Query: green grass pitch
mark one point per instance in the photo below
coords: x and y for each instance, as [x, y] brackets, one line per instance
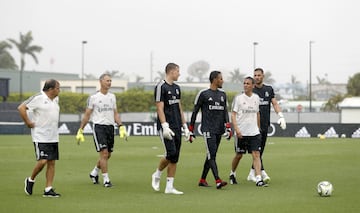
[294, 165]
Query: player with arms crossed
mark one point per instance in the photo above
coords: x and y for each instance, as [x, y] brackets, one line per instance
[245, 118]
[214, 120]
[170, 120]
[101, 109]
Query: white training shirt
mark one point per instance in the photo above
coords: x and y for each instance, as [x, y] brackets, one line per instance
[246, 109]
[103, 107]
[45, 113]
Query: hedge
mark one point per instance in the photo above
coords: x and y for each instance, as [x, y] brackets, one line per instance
[133, 100]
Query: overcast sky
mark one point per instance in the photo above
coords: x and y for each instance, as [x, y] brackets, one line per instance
[121, 34]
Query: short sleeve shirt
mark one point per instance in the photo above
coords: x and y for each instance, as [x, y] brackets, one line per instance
[246, 109]
[103, 106]
[45, 113]
[170, 94]
[266, 94]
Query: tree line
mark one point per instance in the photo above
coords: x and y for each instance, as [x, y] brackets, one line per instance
[198, 72]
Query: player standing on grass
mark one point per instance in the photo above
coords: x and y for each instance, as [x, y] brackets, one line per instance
[267, 97]
[101, 108]
[44, 131]
[214, 121]
[245, 117]
[170, 119]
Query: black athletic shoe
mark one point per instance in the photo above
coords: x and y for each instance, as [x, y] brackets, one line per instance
[261, 183]
[28, 186]
[220, 184]
[203, 183]
[232, 179]
[108, 184]
[94, 179]
[51, 193]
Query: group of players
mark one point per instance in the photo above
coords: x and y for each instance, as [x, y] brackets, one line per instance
[250, 118]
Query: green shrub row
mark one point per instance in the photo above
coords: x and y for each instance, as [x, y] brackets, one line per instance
[133, 100]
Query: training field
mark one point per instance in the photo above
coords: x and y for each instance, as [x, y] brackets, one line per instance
[294, 165]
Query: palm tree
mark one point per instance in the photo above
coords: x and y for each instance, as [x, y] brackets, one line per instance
[294, 86]
[25, 48]
[189, 79]
[236, 76]
[268, 78]
[138, 78]
[198, 69]
[116, 74]
[322, 81]
[160, 76]
[6, 60]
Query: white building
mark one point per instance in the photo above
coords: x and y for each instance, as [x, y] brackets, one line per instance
[90, 86]
[350, 110]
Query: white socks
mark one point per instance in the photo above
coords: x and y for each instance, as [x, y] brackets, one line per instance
[106, 177]
[169, 182]
[95, 171]
[158, 173]
[47, 189]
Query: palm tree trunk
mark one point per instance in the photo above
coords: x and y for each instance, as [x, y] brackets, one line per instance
[22, 65]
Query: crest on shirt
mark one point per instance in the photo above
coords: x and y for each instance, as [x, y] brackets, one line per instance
[266, 94]
[177, 91]
[222, 98]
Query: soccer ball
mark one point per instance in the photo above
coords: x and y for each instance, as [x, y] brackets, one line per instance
[325, 188]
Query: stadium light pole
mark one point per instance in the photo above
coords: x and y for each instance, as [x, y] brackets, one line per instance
[254, 50]
[82, 65]
[310, 95]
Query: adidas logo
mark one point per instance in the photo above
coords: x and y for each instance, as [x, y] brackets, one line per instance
[356, 134]
[302, 133]
[63, 129]
[331, 133]
[87, 129]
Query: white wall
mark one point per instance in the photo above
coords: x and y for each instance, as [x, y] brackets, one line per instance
[350, 115]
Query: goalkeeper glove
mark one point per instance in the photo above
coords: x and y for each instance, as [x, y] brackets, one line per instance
[228, 134]
[122, 132]
[167, 132]
[191, 135]
[80, 136]
[281, 121]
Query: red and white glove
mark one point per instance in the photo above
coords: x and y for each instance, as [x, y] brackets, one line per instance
[191, 134]
[228, 131]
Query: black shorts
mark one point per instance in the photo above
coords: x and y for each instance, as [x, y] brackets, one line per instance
[103, 137]
[47, 151]
[248, 144]
[172, 147]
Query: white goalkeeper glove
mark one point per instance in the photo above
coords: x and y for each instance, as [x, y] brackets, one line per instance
[281, 121]
[167, 132]
[186, 132]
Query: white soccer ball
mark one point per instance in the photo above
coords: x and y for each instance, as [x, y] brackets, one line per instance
[325, 188]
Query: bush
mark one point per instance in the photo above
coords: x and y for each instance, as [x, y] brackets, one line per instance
[133, 100]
